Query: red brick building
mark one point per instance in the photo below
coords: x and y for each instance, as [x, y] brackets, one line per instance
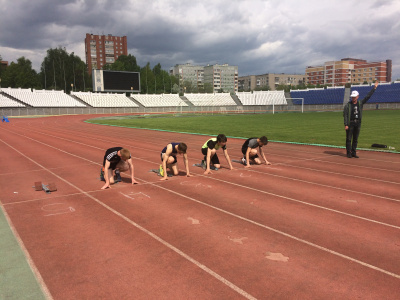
[349, 70]
[103, 49]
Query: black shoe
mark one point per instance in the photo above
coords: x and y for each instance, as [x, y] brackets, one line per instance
[355, 155]
[102, 175]
[117, 176]
[349, 155]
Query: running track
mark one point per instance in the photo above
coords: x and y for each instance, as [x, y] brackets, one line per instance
[313, 225]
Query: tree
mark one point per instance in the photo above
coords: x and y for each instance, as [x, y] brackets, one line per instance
[125, 63]
[1, 66]
[146, 80]
[20, 75]
[208, 88]
[262, 88]
[63, 71]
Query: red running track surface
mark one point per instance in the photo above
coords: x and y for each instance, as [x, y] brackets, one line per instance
[313, 225]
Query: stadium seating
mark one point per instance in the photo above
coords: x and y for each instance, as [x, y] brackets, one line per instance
[105, 100]
[163, 100]
[385, 93]
[262, 98]
[43, 98]
[215, 99]
[7, 102]
[319, 96]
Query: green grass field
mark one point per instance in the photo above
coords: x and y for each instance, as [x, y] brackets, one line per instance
[320, 128]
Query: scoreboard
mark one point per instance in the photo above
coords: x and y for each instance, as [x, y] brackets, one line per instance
[115, 81]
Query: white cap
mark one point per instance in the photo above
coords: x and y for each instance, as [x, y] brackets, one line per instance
[354, 94]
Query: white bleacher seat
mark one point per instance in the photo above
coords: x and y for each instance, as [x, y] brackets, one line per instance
[262, 98]
[215, 99]
[43, 98]
[156, 100]
[7, 102]
[105, 100]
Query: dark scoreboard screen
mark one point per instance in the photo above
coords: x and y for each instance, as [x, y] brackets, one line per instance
[121, 81]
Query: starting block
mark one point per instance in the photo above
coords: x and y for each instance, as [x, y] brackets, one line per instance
[157, 171]
[204, 167]
[5, 119]
[39, 186]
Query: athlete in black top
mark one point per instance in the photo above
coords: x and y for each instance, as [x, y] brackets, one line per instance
[116, 160]
[168, 158]
[209, 151]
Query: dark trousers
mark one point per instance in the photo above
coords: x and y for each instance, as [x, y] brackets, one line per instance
[352, 137]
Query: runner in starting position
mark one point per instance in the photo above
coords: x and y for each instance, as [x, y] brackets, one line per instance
[116, 160]
[249, 150]
[209, 151]
[168, 158]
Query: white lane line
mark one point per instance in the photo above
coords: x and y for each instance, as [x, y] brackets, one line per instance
[29, 259]
[165, 243]
[245, 187]
[288, 235]
[336, 173]
[325, 185]
[251, 221]
[269, 174]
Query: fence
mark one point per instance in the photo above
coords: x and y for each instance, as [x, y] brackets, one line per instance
[29, 111]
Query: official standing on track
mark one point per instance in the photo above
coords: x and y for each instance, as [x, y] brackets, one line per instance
[352, 114]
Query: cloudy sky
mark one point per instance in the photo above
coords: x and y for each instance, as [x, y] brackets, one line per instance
[271, 36]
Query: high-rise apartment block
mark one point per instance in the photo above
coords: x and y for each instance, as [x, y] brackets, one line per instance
[349, 70]
[103, 49]
[219, 77]
[270, 80]
[190, 73]
[222, 77]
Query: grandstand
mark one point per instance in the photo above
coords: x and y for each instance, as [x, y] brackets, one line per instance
[43, 98]
[214, 99]
[318, 96]
[262, 98]
[19, 102]
[7, 102]
[105, 100]
[163, 100]
[385, 93]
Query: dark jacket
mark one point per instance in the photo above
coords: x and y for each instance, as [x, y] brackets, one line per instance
[347, 107]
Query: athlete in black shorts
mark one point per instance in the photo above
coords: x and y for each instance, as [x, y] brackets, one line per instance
[168, 158]
[116, 160]
[249, 150]
[209, 151]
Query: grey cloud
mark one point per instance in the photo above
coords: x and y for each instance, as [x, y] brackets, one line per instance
[281, 35]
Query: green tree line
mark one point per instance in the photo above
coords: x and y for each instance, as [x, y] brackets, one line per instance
[60, 70]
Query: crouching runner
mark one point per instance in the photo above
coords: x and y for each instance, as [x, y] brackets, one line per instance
[116, 160]
[250, 153]
[169, 160]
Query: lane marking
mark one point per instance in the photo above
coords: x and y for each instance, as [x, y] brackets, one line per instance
[131, 194]
[29, 259]
[154, 236]
[269, 174]
[234, 215]
[254, 189]
[55, 209]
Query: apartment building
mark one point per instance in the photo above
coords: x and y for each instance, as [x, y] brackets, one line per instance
[220, 77]
[349, 70]
[272, 80]
[188, 72]
[103, 49]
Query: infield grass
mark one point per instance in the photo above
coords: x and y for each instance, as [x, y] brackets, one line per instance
[320, 128]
